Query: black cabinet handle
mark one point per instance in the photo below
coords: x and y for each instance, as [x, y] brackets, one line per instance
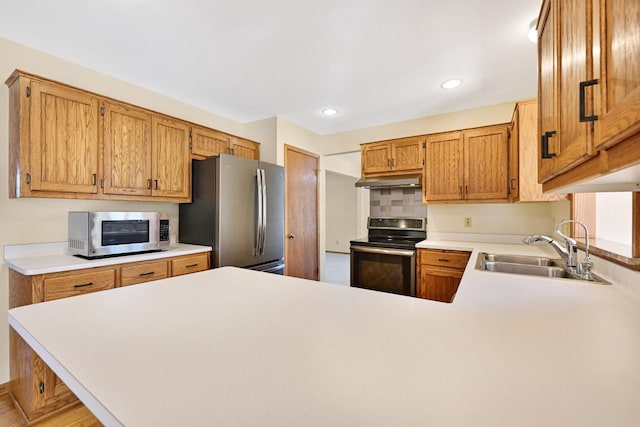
[41, 387]
[149, 184]
[156, 183]
[583, 86]
[443, 260]
[147, 274]
[545, 145]
[94, 179]
[84, 285]
[192, 265]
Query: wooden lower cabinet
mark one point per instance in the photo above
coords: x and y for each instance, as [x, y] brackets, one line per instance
[35, 387]
[439, 273]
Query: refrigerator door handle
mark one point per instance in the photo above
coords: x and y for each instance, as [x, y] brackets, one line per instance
[264, 210]
[259, 218]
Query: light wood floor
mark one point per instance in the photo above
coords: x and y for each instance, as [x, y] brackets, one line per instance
[78, 416]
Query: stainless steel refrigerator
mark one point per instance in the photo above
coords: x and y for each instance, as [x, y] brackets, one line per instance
[238, 209]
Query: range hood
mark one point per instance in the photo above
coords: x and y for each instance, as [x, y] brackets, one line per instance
[400, 181]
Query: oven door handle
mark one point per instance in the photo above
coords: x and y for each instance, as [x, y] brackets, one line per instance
[383, 251]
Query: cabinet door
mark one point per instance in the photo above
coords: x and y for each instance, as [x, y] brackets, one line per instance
[171, 165]
[244, 148]
[376, 158]
[486, 159]
[64, 139]
[127, 150]
[208, 142]
[573, 142]
[407, 154]
[619, 113]
[444, 167]
[547, 103]
[438, 284]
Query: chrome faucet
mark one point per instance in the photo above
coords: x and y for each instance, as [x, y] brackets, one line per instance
[568, 252]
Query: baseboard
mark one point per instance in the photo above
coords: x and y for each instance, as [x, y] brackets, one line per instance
[4, 389]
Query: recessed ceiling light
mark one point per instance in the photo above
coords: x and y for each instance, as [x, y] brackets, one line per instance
[451, 83]
[533, 33]
[329, 111]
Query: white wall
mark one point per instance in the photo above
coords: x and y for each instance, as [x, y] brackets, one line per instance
[341, 211]
[613, 217]
[517, 219]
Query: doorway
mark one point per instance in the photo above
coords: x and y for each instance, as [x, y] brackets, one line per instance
[301, 213]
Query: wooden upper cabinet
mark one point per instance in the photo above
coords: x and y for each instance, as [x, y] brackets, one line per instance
[207, 142]
[376, 158]
[444, 167]
[171, 165]
[470, 165]
[564, 62]
[63, 139]
[589, 90]
[394, 157]
[619, 63]
[486, 159]
[245, 148]
[127, 150]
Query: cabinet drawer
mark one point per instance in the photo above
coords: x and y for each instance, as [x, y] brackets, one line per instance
[78, 284]
[442, 258]
[189, 264]
[144, 272]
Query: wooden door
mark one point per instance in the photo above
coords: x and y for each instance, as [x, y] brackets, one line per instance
[619, 103]
[376, 158]
[64, 139]
[547, 103]
[407, 154]
[171, 165]
[486, 159]
[301, 217]
[208, 142]
[127, 150]
[444, 167]
[573, 142]
[244, 148]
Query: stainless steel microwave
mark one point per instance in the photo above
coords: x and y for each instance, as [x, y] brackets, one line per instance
[100, 234]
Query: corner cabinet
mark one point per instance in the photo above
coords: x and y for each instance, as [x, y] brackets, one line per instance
[523, 151]
[467, 166]
[439, 273]
[34, 386]
[588, 89]
[65, 142]
[394, 157]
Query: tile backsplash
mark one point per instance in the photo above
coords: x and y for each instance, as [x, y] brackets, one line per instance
[397, 202]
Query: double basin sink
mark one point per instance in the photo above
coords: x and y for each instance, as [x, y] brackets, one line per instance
[532, 266]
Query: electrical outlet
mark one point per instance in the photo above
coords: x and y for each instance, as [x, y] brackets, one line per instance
[467, 221]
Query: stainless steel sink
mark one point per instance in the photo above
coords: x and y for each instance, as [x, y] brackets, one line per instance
[521, 259]
[531, 266]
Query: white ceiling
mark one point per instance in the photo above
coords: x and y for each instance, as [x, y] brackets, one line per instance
[375, 61]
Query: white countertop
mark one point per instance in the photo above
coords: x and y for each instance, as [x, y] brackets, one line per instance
[51, 257]
[236, 347]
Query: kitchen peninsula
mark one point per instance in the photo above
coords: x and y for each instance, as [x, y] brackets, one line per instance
[237, 347]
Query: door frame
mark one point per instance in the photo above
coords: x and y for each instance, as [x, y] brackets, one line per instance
[288, 148]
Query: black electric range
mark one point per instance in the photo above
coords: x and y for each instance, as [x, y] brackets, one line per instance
[385, 260]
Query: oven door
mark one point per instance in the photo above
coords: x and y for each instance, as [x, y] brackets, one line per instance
[382, 269]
